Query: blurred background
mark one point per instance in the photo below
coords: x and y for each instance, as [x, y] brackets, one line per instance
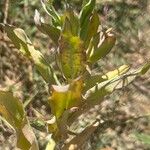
[130, 20]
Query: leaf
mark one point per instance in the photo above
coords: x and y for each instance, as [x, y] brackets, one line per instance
[117, 72]
[47, 29]
[58, 99]
[84, 29]
[22, 42]
[86, 11]
[93, 43]
[91, 29]
[12, 111]
[50, 10]
[145, 138]
[93, 26]
[102, 89]
[65, 97]
[73, 21]
[84, 16]
[90, 81]
[96, 40]
[71, 56]
[67, 29]
[145, 68]
[103, 49]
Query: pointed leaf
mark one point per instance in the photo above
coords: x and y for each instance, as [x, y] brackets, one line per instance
[47, 29]
[91, 30]
[145, 68]
[93, 26]
[22, 42]
[12, 111]
[74, 21]
[90, 81]
[86, 11]
[67, 29]
[103, 49]
[102, 89]
[84, 16]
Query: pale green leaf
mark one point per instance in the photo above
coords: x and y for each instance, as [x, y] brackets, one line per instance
[12, 111]
[90, 81]
[22, 42]
[100, 90]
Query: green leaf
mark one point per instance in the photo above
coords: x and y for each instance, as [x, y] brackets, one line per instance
[67, 29]
[92, 27]
[93, 43]
[47, 29]
[84, 16]
[90, 81]
[104, 48]
[86, 11]
[96, 40]
[84, 29]
[145, 68]
[100, 90]
[12, 111]
[22, 42]
[65, 97]
[50, 10]
[145, 138]
[71, 56]
[73, 21]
